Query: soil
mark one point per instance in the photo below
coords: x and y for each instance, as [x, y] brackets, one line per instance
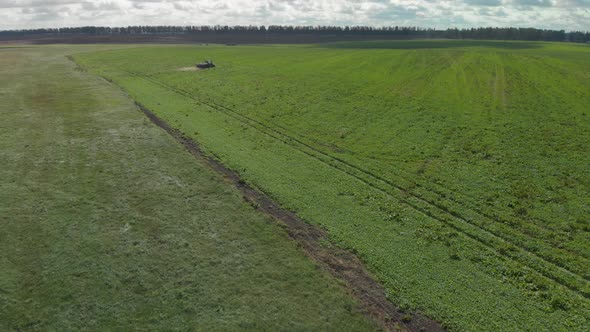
[194, 68]
[341, 263]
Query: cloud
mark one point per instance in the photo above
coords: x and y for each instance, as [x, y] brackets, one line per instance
[34, 3]
[100, 6]
[486, 3]
[396, 12]
[555, 14]
[574, 3]
[533, 3]
[492, 12]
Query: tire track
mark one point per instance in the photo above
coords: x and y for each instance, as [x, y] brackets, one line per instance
[522, 239]
[494, 223]
[475, 212]
[560, 275]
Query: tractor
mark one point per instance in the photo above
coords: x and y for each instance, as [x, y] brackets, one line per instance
[206, 64]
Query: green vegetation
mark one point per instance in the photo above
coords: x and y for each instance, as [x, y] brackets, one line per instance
[107, 223]
[458, 173]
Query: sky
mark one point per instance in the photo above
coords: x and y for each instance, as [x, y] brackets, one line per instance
[549, 14]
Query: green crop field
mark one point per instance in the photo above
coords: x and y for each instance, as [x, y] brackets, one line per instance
[108, 224]
[459, 171]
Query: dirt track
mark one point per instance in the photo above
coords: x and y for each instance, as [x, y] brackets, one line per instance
[340, 263]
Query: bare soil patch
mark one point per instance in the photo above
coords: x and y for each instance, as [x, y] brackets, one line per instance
[341, 263]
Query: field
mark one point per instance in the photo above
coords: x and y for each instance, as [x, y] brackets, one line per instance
[456, 170]
[108, 224]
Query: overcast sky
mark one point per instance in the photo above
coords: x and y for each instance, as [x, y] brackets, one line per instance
[554, 14]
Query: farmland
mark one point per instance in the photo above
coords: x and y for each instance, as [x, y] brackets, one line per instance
[456, 170]
[107, 223]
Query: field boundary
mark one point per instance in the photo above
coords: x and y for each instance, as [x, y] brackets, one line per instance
[340, 263]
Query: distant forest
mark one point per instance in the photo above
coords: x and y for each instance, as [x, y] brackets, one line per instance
[282, 33]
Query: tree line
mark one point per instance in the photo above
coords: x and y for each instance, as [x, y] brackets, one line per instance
[405, 32]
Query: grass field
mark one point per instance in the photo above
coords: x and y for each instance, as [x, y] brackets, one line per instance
[108, 224]
[457, 170]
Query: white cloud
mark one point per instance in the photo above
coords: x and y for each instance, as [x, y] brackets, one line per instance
[554, 14]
